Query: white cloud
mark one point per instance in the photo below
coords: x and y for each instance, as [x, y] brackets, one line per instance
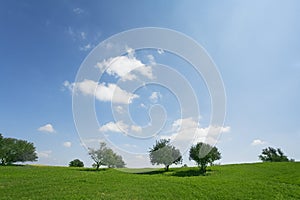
[68, 85]
[119, 127]
[188, 131]
[103, 92]
[136, 128]
[126, 67]
[67, 144]
[257, 142]
[44, 154]
[114, 127]
[47, 128]
[151, 59]
[155, 96]
[78, 11]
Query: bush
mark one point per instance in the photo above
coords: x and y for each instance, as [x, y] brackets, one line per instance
[76, 163]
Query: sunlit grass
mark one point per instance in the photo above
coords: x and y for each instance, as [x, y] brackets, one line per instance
[243, 181]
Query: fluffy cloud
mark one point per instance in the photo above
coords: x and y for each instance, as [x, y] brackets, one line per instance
[188, 131]
[47, 128]
[119, 127]
[67, 144]
[126, 67]
[102, 92]
[257, 142]
[114, 127]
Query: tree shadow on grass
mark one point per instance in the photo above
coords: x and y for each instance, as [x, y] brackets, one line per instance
[188, 173]
[92, 169]
[14, 165]
[154, 172]
[178, 172]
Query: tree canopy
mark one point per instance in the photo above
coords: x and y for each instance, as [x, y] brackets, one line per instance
[105, 156]
[203, 154]
[13, 150]
[164, 153]
[273, 155]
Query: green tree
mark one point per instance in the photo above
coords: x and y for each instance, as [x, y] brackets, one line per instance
[105, 156]
[76, 163]
[203, 154]
[13, 150]
[273, 155]
[164, 153]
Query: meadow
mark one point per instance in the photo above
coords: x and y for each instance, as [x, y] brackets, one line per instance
[238, 181]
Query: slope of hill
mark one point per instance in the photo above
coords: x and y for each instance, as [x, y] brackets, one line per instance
[241, 181]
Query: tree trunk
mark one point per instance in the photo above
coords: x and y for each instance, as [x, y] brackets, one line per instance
[203, 169]
[97, 167]
[167, 167]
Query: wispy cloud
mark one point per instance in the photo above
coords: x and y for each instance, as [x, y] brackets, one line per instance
[83, 38]
[78, 11]
[44, 154]
[85, 47]
[67, 144]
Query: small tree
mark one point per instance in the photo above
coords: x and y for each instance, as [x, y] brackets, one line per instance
[203, 154]
[164, 153]
[272, 155]
[13, 150]
[76, 163]
[106, 157]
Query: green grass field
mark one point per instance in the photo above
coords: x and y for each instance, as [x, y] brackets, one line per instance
[241, 181]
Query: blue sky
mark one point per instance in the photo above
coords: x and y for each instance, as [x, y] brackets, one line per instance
[255, 45]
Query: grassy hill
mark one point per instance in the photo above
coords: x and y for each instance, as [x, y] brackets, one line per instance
[241, 181]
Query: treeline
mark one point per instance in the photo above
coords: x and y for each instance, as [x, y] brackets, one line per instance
[163, 152]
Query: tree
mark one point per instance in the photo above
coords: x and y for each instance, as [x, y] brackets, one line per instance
[273, 155]
[13, 150]
[203, 154]
[164, 153]
[106, 157]
[76, 163]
